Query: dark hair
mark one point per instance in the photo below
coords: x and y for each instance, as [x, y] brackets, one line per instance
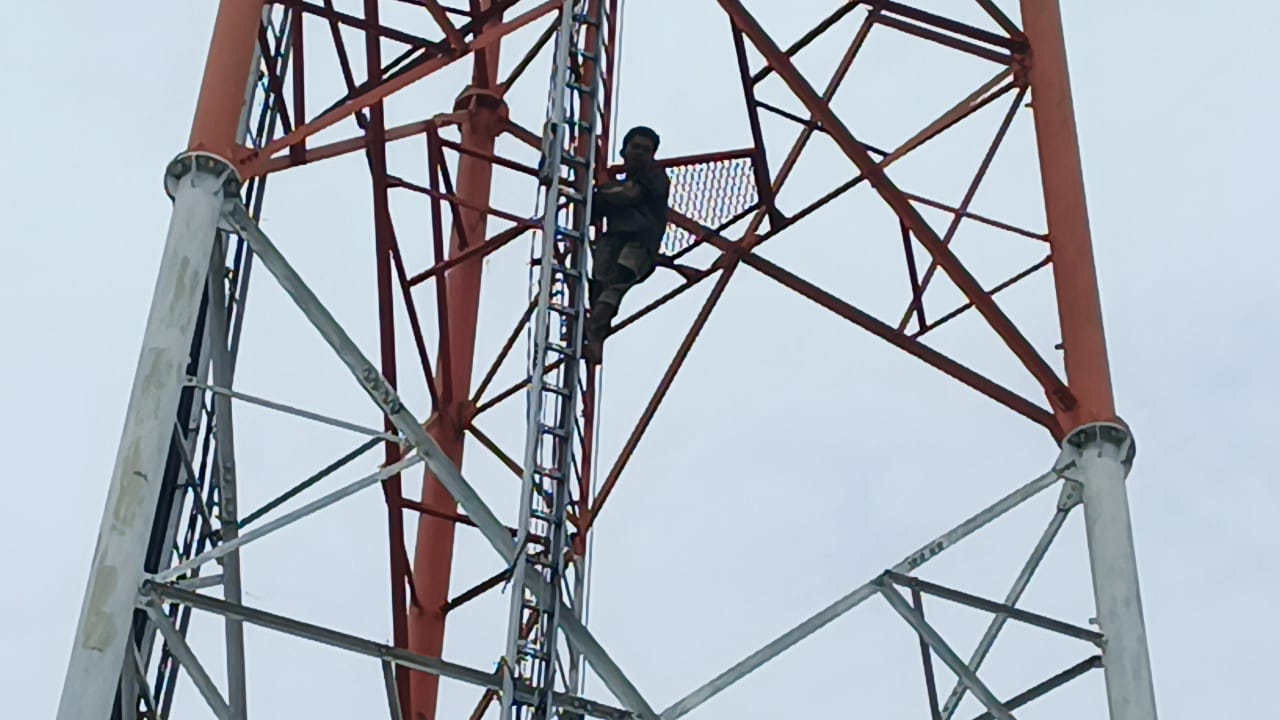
[642, 131]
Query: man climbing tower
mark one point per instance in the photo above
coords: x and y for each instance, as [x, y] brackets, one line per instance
[635, 215]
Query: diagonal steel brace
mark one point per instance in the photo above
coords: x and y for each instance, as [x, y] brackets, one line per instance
[414, 432]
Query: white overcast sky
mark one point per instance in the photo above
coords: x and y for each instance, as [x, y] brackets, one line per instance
[796, 458]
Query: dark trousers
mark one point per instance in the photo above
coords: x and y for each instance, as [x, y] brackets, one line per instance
[619, 262]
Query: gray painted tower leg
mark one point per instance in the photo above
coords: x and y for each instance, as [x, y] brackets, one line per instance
[1103, 453]
[198, 183]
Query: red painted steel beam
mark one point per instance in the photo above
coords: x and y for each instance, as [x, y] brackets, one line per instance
[452, 517]
[502, 354]
[495, 159]
[996, 392]
[460, 201]
[298, 153]
[660, 393]
[969, 194]
[449, 10]
[1014, 280]
[442, 177]
[494, 243]
[607, 85]
[802, 140]
[275, 76]
[1074, 274]
[481, 588]
[491, 446]
[925, 33]
[917, 291]
[952, 26]
[698, 159]
[341, 146]
[369, 27]
[433, 558]
[509, 392]
[810, 36]
[385, 246]
[415, 325]
[1001, 18]
[760, 166]
[976, 100]
[664, 299]
[451, 33]
[1059, 396]
[528, 58]
[252, 163]
[221, 101]
[344, 60]
[978, 218]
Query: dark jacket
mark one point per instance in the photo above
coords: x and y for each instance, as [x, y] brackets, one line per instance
[643, 217]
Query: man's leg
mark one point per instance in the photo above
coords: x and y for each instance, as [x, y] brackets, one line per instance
[631, 262]
[604, 272]
[608, 297]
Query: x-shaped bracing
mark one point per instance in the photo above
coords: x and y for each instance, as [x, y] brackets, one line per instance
[499, 538]
[436, 460]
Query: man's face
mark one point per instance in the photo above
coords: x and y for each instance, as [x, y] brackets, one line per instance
[638, 152]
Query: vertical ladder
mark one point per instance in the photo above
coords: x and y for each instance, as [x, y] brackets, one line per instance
[541, 587]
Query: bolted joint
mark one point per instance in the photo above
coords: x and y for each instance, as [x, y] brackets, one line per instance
[1072, 494]
[1102, 439]
[1022, 62]
[206, 173]
[466, 411]
[486, 111]
[191, 164]
[731, 253]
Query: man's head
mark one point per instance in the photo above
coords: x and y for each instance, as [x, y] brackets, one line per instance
[638, 147]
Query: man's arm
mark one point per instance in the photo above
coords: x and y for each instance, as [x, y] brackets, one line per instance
[627, 193]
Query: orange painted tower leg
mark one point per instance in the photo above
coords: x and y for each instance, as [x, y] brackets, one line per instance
[433, 559]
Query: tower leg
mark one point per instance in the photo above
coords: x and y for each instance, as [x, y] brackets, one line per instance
[199, 184]
[1066, 213]
[1103, 453]
[433, 555]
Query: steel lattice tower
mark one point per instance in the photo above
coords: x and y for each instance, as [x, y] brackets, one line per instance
[173, 538]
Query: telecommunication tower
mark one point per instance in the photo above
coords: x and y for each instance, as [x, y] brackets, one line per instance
[174, 538]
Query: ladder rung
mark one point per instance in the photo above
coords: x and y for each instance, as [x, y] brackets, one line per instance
[566, 271]
[557, 390]
[556, 267]
[532, 652]
[571, 194]
[558, 432]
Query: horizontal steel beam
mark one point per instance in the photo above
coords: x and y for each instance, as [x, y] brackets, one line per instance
[1049, 685]
[299, 412]
[370, 648]
[991, 606]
